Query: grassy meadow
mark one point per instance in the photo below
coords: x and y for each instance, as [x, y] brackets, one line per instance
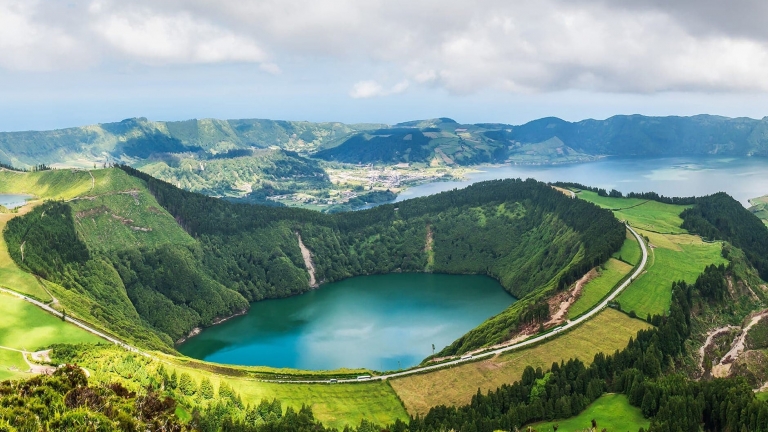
[599, 287]
[674, 255]
[672, 258]
[608, 331]
[26, 327]
[630, 251]
[336, 405]
[12, 365]
[611, 412]
[647, 215]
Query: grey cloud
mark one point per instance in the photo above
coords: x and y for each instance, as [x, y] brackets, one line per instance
[464, 47]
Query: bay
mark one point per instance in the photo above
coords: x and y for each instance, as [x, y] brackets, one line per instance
[742, 178]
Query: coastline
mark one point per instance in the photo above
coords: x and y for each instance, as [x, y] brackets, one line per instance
[199, 329]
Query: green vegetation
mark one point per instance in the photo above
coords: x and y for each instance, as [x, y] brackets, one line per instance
[610, 411]
[678, 257]
[26, 327]
[674, 255]
[597, 288]
[12, 365]
[111, 255]
[645, 214]
[252, 177]
[11, 276]
[643, 372]
[336, 405]
[757, 338]
[721, 217]
[607, 332]
[760, 208]
[630, 251]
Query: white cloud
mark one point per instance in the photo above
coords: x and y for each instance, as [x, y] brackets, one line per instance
[463, 47]
[370, 89]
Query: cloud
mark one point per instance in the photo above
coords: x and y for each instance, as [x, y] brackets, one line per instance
[370, 89]
[463, 47]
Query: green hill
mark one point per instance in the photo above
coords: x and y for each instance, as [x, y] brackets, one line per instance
[150, 255]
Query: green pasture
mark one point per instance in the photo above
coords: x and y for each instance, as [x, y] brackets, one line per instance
[611, 412]
[54, 184]
[607, 332]
[682, 257]
[609, 202]
[26, 327]
[12, 365]
[647, 215]
[630, 251]
[599, 287]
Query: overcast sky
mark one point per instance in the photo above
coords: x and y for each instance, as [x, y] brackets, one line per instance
[71, 62]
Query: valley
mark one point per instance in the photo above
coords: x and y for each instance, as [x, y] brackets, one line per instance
[114, 211]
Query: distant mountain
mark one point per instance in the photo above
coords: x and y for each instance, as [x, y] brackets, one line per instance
[653, 136]
[440, 141]
[136, 139]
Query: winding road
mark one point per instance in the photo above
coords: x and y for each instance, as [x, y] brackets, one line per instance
[80, 324]
[534, 340]
[528, 342]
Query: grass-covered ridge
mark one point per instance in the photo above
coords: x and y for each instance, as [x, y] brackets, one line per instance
[151, 256]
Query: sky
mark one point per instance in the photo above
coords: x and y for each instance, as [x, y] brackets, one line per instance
[70, 62]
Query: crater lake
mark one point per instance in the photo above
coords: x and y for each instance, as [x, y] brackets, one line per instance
[379, 322]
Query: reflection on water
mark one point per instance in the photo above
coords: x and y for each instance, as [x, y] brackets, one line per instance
[743, 178]
[380, 322]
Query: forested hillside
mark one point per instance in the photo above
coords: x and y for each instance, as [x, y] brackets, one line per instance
[138, 139]
[436, 141]
[720, 217]
[119, 248]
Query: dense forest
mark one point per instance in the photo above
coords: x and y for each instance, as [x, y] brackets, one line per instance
[720, 217]
[530, 237]
[646, 371]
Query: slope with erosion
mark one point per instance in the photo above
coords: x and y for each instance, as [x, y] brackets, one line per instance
[537, 228]
[675, 254]
[126, 254]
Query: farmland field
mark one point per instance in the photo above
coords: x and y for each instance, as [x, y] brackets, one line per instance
[28, 328]
[597, 288]
[608, 331]
[672, 258]
[630, 251]
[610, 411]
[12, 365]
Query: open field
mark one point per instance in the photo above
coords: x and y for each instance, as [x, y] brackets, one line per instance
[608, 331]
[611, 411]
[28, 328]
[630, 251]
[760, 208]
[675, 257]
[599, 287]
[56, 184]
[646, 215]
[12, 365]
[336, 405]
[608, 202]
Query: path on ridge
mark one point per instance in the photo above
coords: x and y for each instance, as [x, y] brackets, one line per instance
[534, 340]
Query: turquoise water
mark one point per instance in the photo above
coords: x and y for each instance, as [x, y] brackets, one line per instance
[381, 322]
